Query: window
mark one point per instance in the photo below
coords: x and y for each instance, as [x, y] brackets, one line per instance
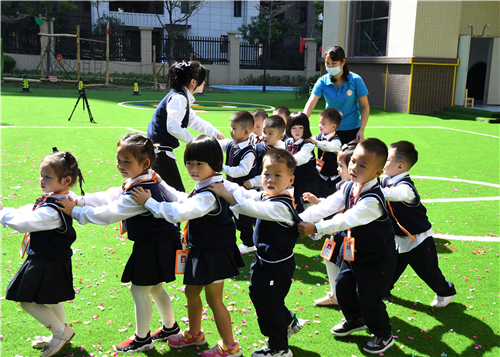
[184, 7]
[372, 18]
[237, 8]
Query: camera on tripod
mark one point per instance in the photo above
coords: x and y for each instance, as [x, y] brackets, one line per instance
[85, 102]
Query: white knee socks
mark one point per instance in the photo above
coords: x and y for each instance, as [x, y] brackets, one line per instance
[58, 310]
[332, 270]
[143, 309]
[45, 315]
[163, 304]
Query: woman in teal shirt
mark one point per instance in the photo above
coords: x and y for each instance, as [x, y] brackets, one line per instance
[345, 91]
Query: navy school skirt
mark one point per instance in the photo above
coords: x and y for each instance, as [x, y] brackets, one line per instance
[43, 281]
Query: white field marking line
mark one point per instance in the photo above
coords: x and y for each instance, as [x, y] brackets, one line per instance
[430, 127]
[122, 104]
[463, 199]
[456, 180]
[466, 238]
[65, 127]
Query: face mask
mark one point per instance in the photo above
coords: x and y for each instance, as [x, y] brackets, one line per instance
[333, 71]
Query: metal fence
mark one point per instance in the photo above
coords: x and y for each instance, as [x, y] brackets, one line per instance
[207, 50]
[20, 42]
[253, 56]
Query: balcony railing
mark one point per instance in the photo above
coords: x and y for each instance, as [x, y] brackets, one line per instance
[137, 19]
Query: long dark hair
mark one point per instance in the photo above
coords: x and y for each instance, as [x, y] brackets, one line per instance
[181, 73]
[337, 53]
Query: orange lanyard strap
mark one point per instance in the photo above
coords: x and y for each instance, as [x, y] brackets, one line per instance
[353, 203]
[153, 178]
[333, 136]
[399, 224]
[185, 232]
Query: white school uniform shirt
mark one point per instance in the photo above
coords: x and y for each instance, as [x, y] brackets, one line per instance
[328, 146]
[305, 153]
[249, 203]
[245, 164]
[361, 213]
[24, 219]
[185, 208]
[176, 109]
[404, 193]
[110, 206]
[257, 180]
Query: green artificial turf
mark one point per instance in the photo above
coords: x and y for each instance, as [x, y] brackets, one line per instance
[103, 307]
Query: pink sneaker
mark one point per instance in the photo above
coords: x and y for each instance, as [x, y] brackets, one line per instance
[187, 339]
[223, 350]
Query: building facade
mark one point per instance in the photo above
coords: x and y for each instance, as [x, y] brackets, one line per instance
[420, 56]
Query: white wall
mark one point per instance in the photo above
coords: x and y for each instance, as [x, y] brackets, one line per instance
[401, 31]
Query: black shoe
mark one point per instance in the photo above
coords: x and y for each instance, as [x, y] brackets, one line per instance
[379, 344]
[164, 333]
[346, 327]
[135, 344]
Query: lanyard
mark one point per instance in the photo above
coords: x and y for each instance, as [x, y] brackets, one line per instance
[333, 136]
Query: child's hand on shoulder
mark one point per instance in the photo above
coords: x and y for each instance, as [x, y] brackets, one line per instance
[140, 195]
[217, 188]
[247, 184]
[220, 136]
[309, 197]
[306, 228]
[311, 140]
[158, 178]
[1, 206]
[68, 204]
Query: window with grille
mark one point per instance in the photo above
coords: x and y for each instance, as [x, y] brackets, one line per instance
[372, 18]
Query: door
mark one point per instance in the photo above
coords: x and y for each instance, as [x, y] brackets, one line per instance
[462, 69]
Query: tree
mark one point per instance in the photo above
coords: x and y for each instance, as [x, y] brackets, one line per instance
[116, 25]
[178, 14]
[279, 31]
[318, 24]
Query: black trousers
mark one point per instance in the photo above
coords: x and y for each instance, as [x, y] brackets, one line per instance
[269, 285]
[423, 259]
[360, 289]
[167, 168]
[347, 136]
[245, 225]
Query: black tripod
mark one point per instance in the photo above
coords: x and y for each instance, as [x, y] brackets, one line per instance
[85, 103]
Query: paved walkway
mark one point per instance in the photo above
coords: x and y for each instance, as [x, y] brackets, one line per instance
[252, 88]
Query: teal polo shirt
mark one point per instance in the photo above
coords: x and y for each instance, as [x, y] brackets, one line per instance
[345, 98]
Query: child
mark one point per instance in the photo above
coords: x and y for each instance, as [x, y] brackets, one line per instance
[369, 250]
[275, 237]
[174, 116]
[239, 167]
[211, 235]
[45, 278]
[306, 175]
[283, 112]
[334, 262]
[328, 144]
[259, 115]
[413, 230]
[152, 261]
[273, 127]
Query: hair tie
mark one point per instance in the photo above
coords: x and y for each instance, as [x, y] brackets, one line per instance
[345, 147]
[54, 149]
[182, 65]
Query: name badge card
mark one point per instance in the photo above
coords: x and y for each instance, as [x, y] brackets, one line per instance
[349, 247]
[319, 164]
[327, 251]
[181, 257]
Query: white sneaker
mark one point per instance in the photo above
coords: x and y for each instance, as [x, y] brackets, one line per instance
[442, 301]
[295, 326]
[267, 352]
[315, 236]
[246, 249]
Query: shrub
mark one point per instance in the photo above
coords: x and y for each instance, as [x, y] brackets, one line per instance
[9, 64]
[285, 81]
[303, 91]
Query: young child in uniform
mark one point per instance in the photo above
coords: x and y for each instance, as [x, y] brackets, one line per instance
[275, 237]
[45, 278]
[328, 144]
[271, 138]
[306, 174]
[211, 235]
[259, 115]
[240, 167]
[369, 252]
[413, 230]
[174, 116]
[152, 261]
[283, 112]
[335, 260]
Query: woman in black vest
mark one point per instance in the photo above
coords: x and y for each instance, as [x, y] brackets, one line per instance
[174, 116]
